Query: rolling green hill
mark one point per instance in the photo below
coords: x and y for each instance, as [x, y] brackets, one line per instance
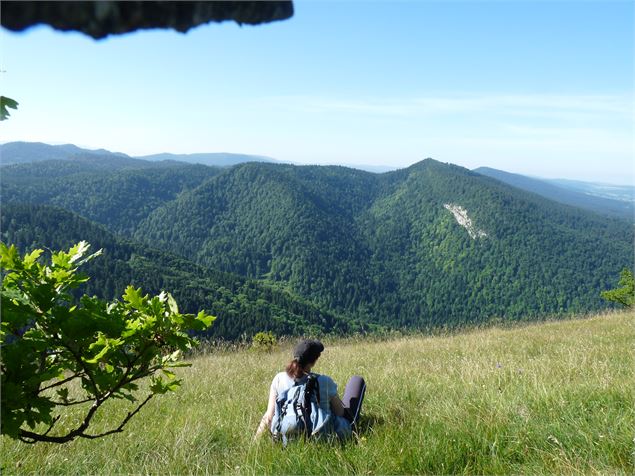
[430, 245]
[243, 306]
[388, 248]
[113, 194]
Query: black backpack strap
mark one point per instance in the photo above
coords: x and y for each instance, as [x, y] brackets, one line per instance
[295, 403]
[317, 389]
[283, 412]
[312, 388]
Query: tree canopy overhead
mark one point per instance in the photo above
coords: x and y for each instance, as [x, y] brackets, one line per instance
[100, 19]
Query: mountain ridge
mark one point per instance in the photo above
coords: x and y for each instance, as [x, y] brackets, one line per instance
[217, 159]
[390, 249]
[400, 221]
[20, 152]
[553, 190]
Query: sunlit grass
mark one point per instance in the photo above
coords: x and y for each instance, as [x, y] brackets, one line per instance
[539, 399]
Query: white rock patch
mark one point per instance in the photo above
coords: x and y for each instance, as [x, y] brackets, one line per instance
[462, 219]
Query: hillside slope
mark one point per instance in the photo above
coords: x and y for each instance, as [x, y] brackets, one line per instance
[433, 244]
[557, 191]
[243, 307]
[113, 194]
[553, 398]
[282, 223]
[390, 248]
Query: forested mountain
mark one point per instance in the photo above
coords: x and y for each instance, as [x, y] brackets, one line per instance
[29, 152]
[561, 192]
[242, 306]
[389, 248]
[118, 197]
[432, 244]
[215, 159]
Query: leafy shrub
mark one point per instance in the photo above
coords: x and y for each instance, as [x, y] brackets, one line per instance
[264, 341]
[49, 342]
[625, 294]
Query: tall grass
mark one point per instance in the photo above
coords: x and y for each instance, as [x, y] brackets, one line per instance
[545, 398]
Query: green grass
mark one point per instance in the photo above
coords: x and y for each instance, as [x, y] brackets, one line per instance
[539, 399]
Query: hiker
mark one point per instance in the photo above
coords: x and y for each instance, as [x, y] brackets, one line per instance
[341, 414]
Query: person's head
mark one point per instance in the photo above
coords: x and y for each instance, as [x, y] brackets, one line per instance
[305, 354]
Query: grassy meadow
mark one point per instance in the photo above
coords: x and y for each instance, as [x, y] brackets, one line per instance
[546, 398]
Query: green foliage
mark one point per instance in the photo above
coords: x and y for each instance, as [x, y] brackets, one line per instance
[51, 342]
[242, 306]
[116, 192]
[318, 248]
[625, 294]
[264, 341]
[383, 249]
[5, 103]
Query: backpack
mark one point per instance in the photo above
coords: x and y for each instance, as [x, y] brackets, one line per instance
[298, 412]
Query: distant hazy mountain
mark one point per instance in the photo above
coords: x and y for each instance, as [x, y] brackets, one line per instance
[376, 169]
[624, 193]
[25, 152]
[217, 159]
[577, 194]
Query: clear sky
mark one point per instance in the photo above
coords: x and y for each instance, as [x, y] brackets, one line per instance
[542, 88]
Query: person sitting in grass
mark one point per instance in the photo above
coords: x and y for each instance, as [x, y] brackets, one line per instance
[342, 414]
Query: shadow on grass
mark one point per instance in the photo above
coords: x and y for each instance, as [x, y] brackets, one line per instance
[368, 423]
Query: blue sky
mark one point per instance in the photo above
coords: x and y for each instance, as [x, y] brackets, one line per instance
[541, 88]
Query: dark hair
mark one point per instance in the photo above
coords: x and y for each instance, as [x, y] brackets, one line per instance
[294, 369]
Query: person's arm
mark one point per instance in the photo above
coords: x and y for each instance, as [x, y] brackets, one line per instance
[265, 422]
